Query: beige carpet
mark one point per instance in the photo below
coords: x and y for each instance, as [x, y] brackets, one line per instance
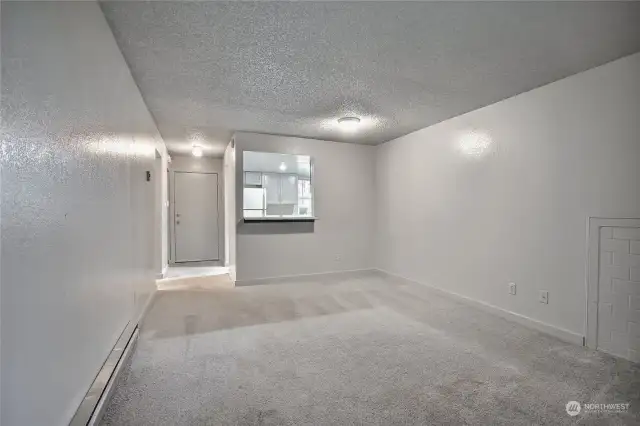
[361, 351]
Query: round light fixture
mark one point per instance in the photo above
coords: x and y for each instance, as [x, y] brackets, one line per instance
[349, 124]
[283, 167]
[197, 151]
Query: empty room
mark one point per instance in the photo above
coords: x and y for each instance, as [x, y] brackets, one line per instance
[319, 213]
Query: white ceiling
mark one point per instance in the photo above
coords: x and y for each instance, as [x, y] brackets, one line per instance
[207, 69]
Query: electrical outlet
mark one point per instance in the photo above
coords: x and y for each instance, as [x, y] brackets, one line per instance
[544, 297]
[512, 288]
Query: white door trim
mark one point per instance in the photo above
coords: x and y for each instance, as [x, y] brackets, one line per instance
[593, 270]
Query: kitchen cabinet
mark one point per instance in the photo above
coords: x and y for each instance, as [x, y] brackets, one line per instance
[280, 188]
[253, 178]
[271, 184]
[288, 189]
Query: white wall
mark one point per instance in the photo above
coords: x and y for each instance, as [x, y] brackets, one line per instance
[77, 255]
[229, 164]
[469, 222]
[189, 163]
[342, 237]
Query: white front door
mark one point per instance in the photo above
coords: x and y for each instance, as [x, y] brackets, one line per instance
[196, 216]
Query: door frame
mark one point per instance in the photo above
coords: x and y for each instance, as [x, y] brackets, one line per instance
[173, 219]
[159, 207]
[593, 270]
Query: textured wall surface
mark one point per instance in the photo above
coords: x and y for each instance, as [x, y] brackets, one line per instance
[342, 237]
[184, 163]
[503, 193]
[77, 260]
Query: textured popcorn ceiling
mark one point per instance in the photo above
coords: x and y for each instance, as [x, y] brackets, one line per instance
[206, 69]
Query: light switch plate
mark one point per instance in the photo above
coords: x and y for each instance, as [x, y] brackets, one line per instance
[544, 297]
[512, 288]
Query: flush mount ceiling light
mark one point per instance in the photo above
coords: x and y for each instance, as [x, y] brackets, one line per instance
[349, 124]
[197, 151]
[283, 167]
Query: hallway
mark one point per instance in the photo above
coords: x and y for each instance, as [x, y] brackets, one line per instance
[360, 349]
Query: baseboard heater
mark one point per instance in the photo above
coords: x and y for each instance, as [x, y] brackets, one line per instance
[95, 402]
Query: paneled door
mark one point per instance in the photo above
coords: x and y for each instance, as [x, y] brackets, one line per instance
[196, 216]
[613, 287]
[619, 292]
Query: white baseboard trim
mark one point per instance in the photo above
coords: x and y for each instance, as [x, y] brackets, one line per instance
[162, 274]
[332, 275]
[560, 333]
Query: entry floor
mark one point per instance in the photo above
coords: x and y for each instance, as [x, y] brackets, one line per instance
[195, 278]
[174, 272]
[363, 350]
